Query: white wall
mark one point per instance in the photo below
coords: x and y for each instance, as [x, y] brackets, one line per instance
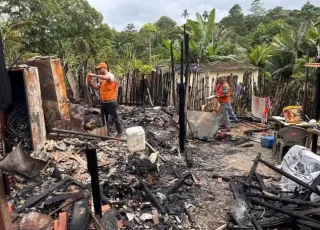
[240, 73]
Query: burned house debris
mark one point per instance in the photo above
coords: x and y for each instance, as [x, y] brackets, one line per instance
[60, 169]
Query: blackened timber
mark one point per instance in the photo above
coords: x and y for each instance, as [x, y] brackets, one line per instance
[81, 215]
[187, 84]
[314, 184]
[306, 87]
[173, 75]
[178, 184]
[284, 200]
[127, 87]
[87, 135]
[289, 213]
[315, 137]
[253, 169]
[5, 87]
[143, 86]
[263, 186]
[104, 199]
[182, 118]
[290, 177]
[152, 198]
[42, 196]
[91, 155]
[255, 223]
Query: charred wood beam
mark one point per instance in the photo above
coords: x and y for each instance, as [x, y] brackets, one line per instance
[225, 178]
[178, 184]
[88, 135]
[152, 198]
[42, 196]
[95, 185]
[250, 185]
[283, 173]
[242, 141]
[314, 185]
[285, 200]
[253, 169]
[255, 223]
[5, 86]
[315, 137]
[182, 118]
[263, 186]
[289, 213]
[173, 75]
[81, 216]
[104, 199]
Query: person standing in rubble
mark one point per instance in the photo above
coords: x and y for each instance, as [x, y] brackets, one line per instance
[223, 96]
[108, 95]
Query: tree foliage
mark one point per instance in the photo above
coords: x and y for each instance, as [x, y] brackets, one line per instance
[275, 40]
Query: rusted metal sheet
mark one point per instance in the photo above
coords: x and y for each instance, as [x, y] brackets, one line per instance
[53, 89]
[5, 222]
[61, 89]
[3, 121]
[35, 110]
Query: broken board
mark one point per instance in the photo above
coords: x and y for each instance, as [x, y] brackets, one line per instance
[203, 125]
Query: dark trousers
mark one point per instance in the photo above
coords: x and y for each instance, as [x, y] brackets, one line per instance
[107, 109]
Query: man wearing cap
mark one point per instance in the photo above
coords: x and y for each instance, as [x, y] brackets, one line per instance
[108, 95]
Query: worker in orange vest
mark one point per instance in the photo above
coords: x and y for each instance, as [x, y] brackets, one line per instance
[223, 96]
[108, 95]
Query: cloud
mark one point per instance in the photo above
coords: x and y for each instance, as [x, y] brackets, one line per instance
[118, 13]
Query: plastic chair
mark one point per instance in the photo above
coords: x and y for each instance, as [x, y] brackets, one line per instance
[288, 137]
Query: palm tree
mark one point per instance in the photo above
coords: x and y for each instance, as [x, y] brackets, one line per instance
[185, 14]
[205, 15]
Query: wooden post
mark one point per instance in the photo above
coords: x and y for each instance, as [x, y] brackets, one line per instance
[187, 74]
[142, 90]
[161, 80]
[315, 137]
[127, 86]
[5, 221]
[182, 119]
[174, 96]
[305, 88]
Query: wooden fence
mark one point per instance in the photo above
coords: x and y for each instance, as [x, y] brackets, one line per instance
[158, 89]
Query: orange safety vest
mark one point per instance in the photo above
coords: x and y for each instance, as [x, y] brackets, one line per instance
[220, 93]
[108, 90]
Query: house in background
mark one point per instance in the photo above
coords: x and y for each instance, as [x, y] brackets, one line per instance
[230, 69]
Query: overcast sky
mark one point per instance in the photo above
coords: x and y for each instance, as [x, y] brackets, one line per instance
[118, 13]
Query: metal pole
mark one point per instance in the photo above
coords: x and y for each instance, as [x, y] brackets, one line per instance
[95, 185]
[315, 137]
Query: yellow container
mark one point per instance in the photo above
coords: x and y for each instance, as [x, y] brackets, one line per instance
[292, 114]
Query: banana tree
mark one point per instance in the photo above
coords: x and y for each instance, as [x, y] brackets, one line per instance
[313, 34]
[259, 57]
[201, 35]
[176, 48]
